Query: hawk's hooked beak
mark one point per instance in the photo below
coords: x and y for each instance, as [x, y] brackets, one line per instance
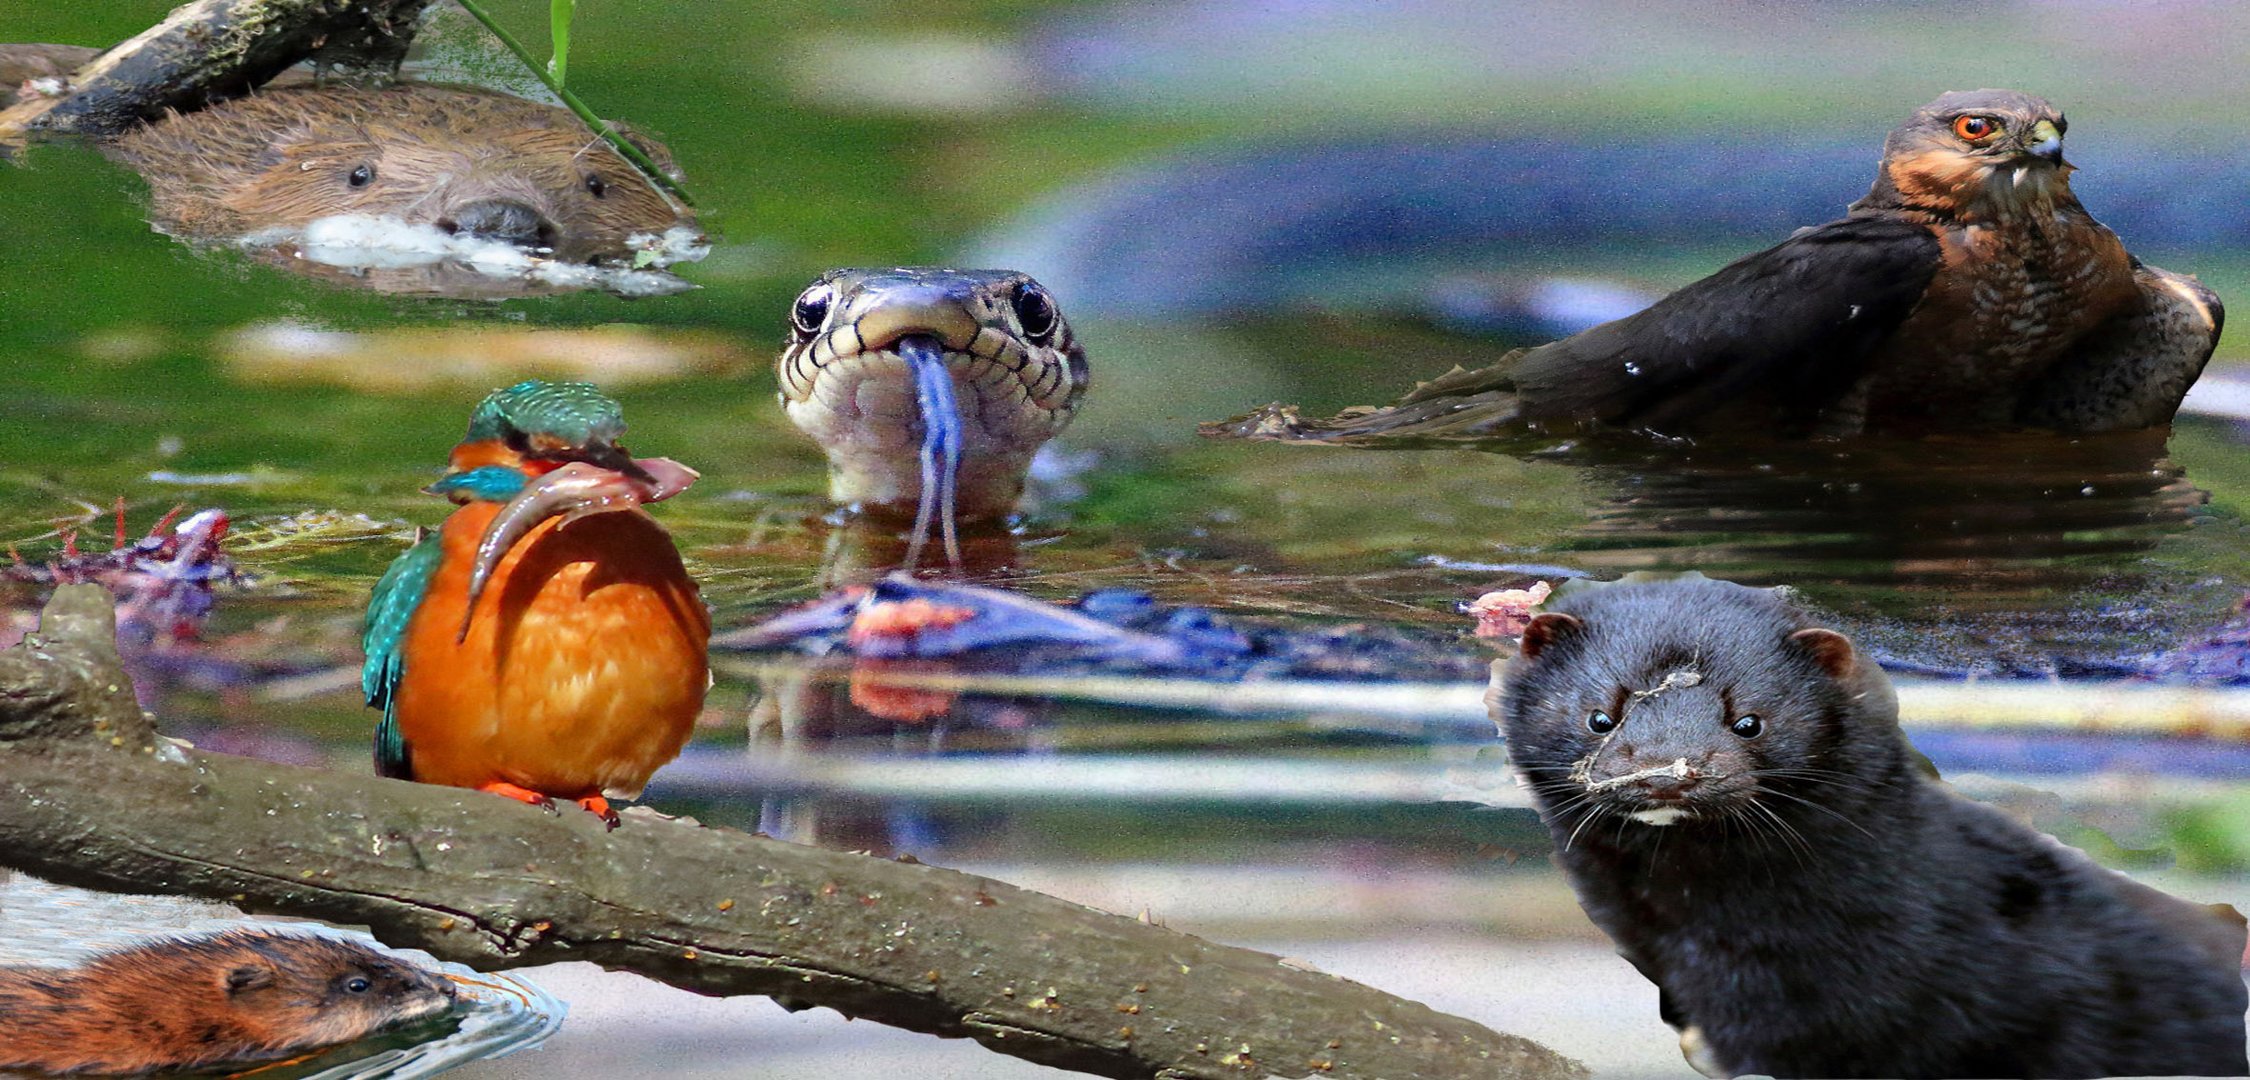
[2045, 141]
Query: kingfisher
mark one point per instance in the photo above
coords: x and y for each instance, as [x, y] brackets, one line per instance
[546, 642]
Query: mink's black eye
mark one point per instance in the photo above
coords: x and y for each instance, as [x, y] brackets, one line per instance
[1036, 311]
[1599, 722]
[1747, 726]
[595, 186]
[358, 984]
[362, 176]
[811, 310]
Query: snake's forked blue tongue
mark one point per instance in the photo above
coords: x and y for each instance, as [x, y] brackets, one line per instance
[941, 444]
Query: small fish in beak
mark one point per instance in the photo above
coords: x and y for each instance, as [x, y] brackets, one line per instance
[578, 489]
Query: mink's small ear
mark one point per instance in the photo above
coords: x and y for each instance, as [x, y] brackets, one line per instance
[248, 977]
[1831, 650]
[1544, 630]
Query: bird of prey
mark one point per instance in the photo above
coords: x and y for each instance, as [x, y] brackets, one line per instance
[1968, 291]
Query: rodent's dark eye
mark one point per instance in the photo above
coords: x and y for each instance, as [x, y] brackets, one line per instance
[1976, 128]
[358, 984]
[1747, 726]
[1036, 311]
[595, 186]
[362, 176]
[1599, 722]
[810, 311]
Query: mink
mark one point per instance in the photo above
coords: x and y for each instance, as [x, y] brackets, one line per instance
[179, 1003]
[1733, 802]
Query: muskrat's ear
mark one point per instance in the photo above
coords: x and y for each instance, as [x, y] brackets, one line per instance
[248, 977]
[1544, 630]
[1831, 650]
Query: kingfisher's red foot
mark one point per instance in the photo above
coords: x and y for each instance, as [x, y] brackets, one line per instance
[599, 807]
[520, 794]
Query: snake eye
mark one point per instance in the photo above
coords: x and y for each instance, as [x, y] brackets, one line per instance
[1976, 128]
[1747, 726]
[811, 310]
[596, 186]
[362, 176]
[1036, 311]
[1600, 723]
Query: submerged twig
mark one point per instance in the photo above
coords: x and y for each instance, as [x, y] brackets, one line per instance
[207, 51]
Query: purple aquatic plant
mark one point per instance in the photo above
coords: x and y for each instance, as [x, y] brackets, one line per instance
[163, 581]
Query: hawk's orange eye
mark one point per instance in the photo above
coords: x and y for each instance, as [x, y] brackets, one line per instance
[1976, 128]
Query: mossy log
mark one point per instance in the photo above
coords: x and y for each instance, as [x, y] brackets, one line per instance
[208, 51]
[92, 796]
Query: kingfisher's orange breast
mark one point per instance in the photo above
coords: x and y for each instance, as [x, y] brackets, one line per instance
[582, 672]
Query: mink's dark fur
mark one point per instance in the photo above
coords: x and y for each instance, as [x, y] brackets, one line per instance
[1807, 900]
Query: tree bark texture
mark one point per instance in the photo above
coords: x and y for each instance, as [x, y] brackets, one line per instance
[91, 796]
[208, 51]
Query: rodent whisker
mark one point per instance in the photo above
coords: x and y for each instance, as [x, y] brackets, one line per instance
[1792, 840]
[1823, 809]
[1833, 777]
[1594, 813]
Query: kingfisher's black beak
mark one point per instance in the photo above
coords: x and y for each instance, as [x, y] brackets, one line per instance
[609, 456]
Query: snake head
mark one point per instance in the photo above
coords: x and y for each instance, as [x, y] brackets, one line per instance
[929, 385]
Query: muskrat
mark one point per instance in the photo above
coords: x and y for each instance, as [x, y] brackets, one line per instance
[238, 996]
[1733, 802]
[22, 64]
[467, 162]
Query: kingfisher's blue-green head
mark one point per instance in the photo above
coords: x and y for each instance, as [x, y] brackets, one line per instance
[559, 414]
[531, 428]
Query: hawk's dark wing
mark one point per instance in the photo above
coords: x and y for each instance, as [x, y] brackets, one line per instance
[1775, 337]
[1789, 328]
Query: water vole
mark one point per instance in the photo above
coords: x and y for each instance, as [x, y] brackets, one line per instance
[239, 996]
[1733, 802]
[467, 162]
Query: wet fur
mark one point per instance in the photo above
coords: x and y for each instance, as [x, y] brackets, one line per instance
[239, 996]
[283, 157]
[22, 63]
[1840, 913]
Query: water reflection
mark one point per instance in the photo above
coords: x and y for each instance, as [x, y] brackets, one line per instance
[1920, 514]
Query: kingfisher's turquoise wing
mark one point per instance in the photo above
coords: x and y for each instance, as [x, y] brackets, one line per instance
[384, 641]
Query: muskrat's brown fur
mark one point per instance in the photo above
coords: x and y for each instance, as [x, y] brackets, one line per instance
[239, 996]
[286, 156]
[22, 63]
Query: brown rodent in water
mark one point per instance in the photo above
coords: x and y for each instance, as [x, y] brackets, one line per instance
[238, 996]
[1732, 799]
[469, 162]
[20, 64]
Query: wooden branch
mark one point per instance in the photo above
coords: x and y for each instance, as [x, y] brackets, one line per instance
[91, 796]
[211, 50]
